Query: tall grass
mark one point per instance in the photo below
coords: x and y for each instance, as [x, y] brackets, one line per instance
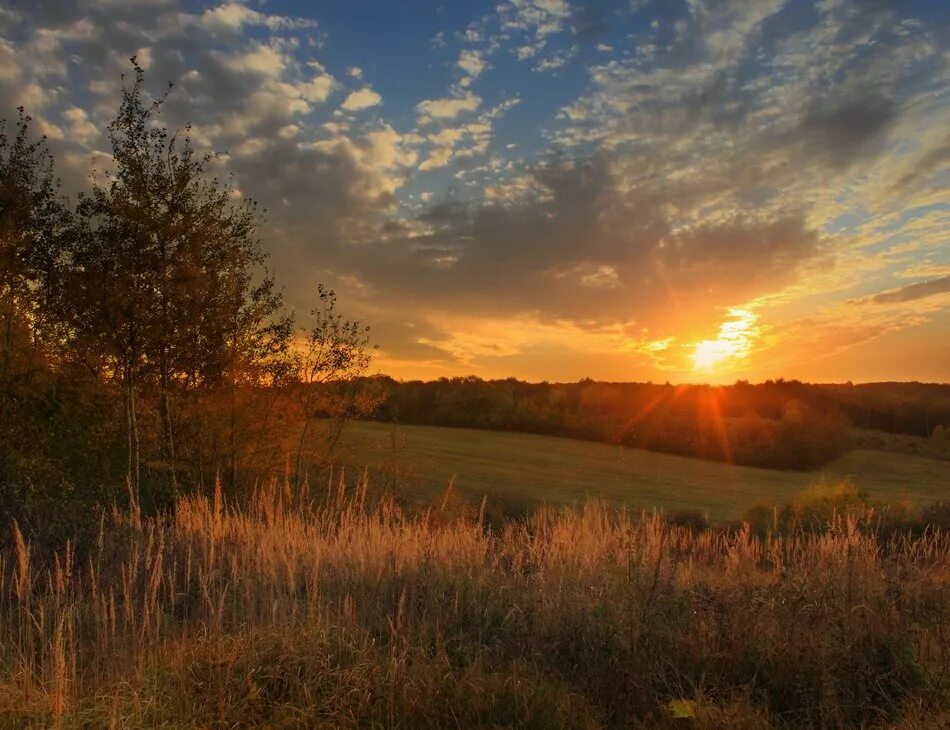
[340, 610]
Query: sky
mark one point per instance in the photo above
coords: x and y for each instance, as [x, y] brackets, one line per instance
[665, 190]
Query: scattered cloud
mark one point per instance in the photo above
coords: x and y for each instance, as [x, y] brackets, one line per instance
[912, 292]
[233, 16]
[447, 108]
[361, 99]
[780, 157]
[472, 63]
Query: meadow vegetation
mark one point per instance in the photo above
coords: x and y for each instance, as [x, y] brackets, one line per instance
[530, 469]
[339, 608]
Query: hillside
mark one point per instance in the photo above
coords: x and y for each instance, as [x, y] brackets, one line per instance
[565, 471]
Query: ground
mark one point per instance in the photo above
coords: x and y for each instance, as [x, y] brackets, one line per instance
[566, 471]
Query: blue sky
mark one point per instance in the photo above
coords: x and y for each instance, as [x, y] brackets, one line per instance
[639, 189]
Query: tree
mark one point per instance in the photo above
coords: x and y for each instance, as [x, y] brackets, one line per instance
[167, 273]
[33, 224]
[338, 353]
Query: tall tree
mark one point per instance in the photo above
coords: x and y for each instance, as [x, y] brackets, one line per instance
[33, 225]
[168, 271]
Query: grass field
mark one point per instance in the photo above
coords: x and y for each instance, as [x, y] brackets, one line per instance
[566, 471]
[343, 612]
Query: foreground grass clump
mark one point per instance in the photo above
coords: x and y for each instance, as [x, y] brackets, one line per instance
[344, 611]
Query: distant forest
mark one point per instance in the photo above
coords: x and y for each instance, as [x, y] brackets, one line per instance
[785, 424]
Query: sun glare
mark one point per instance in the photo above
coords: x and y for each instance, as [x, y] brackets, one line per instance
[734, 342]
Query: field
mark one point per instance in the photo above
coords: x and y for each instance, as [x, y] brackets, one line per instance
[338, 612]
[565, 471]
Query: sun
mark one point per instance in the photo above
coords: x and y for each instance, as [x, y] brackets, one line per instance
[709, 353]
[734, 342]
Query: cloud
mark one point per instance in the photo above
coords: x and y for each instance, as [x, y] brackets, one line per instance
[472, 63]
[577, 253]
[465, 141]
[361, 99]
[443, 143]
[912, 292]
[539, 17]
[263, 59]
[78, 126]
[932, 160]
[555, 60]
[708, 155]
[318, 88]
[447, 108]
[842, 132]
[232, 16]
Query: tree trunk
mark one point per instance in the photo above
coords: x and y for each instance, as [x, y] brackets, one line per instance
[132, 467]
[233, 435]
[168, 433]
[6, 397]
[200, 437]
[303, 435]
[334, 438]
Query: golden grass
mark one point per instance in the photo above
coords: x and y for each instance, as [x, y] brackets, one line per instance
[341, 610]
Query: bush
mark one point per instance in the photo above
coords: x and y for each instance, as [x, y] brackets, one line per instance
[818, 505]
[830, 505]
[691, 519]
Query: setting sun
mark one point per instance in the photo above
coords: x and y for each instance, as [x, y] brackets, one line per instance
[736, 336]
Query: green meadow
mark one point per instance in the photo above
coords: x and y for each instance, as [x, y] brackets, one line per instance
[566, 471]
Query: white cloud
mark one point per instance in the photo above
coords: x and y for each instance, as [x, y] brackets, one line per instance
[540, 17]
[447, 108]
[317, 89]
[361, 99]
[472, 63]
[381, 156]
[555, 61]
[263, 59]
[443, 142]
[439, 157]
[531, 50]
[232, 16]
[78, 126]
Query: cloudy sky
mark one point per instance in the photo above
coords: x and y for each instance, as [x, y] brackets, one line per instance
[643, 189]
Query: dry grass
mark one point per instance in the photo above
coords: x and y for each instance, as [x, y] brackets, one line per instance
[336, 610]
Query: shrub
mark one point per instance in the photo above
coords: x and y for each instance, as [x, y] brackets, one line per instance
[818, 504]
[691, 519]
[936, 516]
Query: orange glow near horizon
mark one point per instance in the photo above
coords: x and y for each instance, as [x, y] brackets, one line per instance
[736, 336]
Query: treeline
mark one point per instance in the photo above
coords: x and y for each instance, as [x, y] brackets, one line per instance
[142, 338]
[777, 424]
[915, 409]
